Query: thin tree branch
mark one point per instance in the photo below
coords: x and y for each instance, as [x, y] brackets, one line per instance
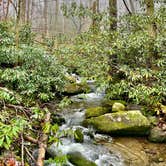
[127, 7]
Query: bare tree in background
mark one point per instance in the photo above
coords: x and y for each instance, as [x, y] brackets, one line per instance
[150, 12]
[113, 14]
[95, 9]
[45, 17]
[28, 3]
[23, 11]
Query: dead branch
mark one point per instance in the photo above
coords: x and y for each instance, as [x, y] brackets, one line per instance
[29, 154]
[22, 150]
[30, 139]
[43, 141]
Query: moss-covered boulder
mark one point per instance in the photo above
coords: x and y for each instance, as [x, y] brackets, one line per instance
[77, 159]
[96, 111]
[116, 107]
[78, 136]
[76, 88]
[157, 135]
[131, 123]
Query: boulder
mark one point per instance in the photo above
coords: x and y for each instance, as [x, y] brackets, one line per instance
[157, 135]
[77, 159]
[131, 123]
[76, 88]
[96, 111]
[116, 107]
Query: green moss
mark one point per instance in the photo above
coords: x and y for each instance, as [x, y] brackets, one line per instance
[78, 159]
[121, 123]
[75, 88]
[116, 107]
[78, 136]
[96, 111]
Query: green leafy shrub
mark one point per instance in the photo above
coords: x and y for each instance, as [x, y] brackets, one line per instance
[31, 71]
[139, 61]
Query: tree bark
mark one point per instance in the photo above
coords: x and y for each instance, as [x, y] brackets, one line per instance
[28, 11]
[45, 17]
[113, 14]
[150, 13]
[95, 10]
[23, 11]
[7, 9]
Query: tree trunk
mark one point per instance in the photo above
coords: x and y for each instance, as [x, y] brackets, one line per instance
[113, 14]
[45, 17]
[132, 6]
[23, 11]
[56, 14]
[95, 10]
[7, 9]
[18, 12]
[150, 12]
[28, 11]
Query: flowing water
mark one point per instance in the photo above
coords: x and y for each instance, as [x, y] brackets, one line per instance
[74, 115]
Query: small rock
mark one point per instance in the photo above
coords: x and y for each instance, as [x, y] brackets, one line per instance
[157, 135]
[118, 107]
[161, 159]
[77, 159]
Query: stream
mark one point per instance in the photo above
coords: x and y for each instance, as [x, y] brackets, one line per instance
[103, 150]
[74, 115]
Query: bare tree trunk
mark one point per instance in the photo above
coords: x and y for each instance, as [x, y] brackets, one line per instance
[23, 10]
[95, 9]
[132, 6]
[18, 12]
[28, 11]
[56, 14]
[7, 9]
[45, 17]
[113, 14]
[150, 12]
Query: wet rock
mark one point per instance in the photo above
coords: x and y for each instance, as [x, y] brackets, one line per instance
[78, 159]
[76, 88]
[96, 111]
[52, 151]
[78, 136]
[116, 107]
[157, 135]
[120, 123]
[57, 119]
[102, 138]
[131, 151]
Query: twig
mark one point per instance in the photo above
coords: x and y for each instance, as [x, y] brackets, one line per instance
[127, 7]
[25, 110]
[29, 154]
[22, 150]
[30, 139]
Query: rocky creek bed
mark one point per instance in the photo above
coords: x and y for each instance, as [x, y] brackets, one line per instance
[97, 123]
